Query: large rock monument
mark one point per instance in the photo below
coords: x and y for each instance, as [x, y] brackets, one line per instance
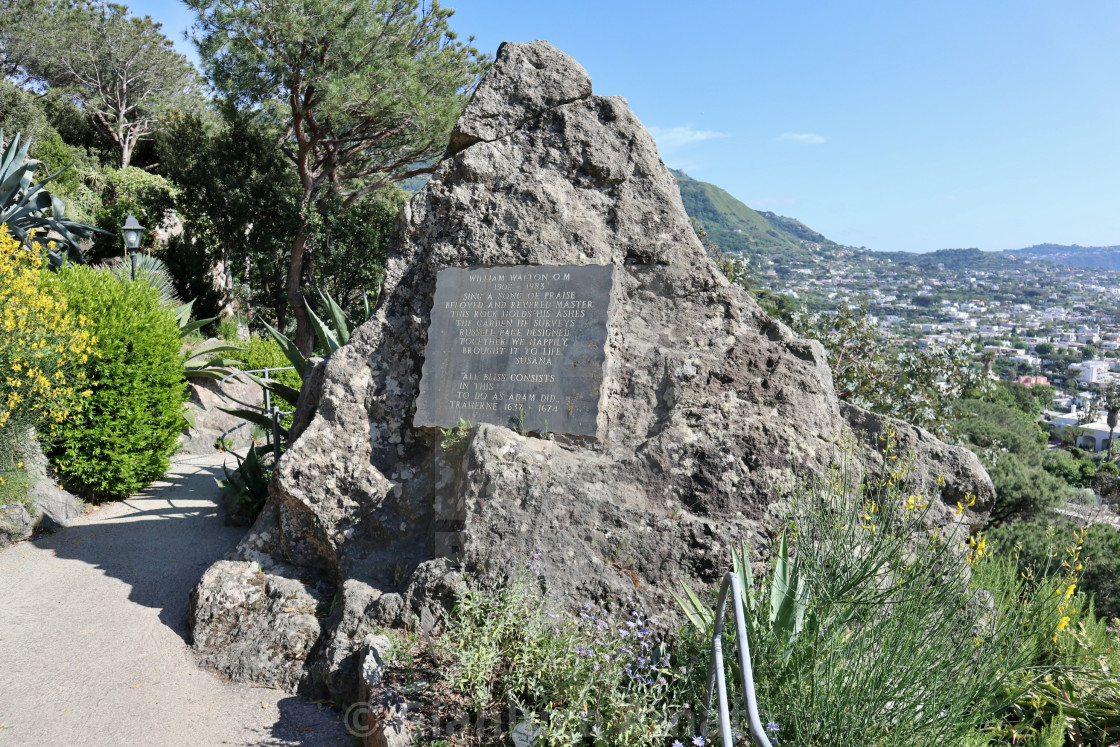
[632, 412]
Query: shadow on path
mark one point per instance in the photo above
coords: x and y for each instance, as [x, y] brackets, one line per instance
[93, 631]
[159, 542]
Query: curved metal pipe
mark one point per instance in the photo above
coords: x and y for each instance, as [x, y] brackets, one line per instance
[716, 676]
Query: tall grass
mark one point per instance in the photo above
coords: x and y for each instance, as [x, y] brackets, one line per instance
[898, 644]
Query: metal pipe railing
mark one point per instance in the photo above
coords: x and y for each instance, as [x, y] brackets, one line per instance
[716, 674]
[274, 413]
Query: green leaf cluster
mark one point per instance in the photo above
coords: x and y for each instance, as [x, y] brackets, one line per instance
[149, 197]
[247, 485]
[128, 429]
[27, 208]
[920, 387]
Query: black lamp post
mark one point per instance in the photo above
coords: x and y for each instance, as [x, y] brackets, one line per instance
[133, 235]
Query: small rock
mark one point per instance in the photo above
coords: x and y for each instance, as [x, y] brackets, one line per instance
[15, 523]
[375, 649]
[525, 734]
[388, 724]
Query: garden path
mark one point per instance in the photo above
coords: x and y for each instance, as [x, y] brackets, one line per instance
[93, 632]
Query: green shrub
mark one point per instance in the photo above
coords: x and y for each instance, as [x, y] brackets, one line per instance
[570, 675]
[227, 329]
[1023, 489]
[147, 196]
[82, 202]
[264, 352]
[125, 435]
[1034, 542]
[20, 112]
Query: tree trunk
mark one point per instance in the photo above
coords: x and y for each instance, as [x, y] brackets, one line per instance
[304, 334]
[125, 147]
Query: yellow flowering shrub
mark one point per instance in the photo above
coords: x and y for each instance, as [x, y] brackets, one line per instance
[43, 349]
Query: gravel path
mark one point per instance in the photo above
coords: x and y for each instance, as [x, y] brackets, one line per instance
[93, 632]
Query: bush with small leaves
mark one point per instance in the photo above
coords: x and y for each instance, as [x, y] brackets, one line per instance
[129, 425]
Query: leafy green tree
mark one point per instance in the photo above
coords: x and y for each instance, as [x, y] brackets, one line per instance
[1031, 400]
[1044, 348]
[995, 427]
[20, 112]
[350, 246]
[1023, 489]
[121, 68]
[1064, 465]
[918, 386]
[1012, 446]
[239, 202]
[239, 199]
[366, 93]
[20, 20]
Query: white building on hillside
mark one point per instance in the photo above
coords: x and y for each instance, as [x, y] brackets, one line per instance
[1093, 372]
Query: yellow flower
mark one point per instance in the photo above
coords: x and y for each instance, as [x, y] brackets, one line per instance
[915, 502]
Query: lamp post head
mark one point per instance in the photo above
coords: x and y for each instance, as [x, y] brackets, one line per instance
[133, 232]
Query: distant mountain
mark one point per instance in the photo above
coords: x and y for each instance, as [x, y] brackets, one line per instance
[1094, 257]
[738, 228]
[955, 260]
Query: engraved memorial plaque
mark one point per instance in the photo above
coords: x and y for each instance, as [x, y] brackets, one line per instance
[519, 346]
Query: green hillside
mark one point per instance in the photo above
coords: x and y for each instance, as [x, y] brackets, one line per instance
[1092, 257]
[954, 260]
[739, 229]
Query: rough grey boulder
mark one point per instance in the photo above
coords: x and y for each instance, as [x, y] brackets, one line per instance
[54, 507]
[709, 412]
[15, 523]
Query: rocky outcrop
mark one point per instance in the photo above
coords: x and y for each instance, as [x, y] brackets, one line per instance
[709, 410]
[51, 507]
[15, 523]
[54, 507]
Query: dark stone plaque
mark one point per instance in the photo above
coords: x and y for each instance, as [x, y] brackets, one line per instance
[519, 346]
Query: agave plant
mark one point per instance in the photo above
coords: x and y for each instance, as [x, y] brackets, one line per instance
[30, 211]
[332, 334]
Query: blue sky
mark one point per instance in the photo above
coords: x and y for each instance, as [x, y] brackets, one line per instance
[892, 125]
